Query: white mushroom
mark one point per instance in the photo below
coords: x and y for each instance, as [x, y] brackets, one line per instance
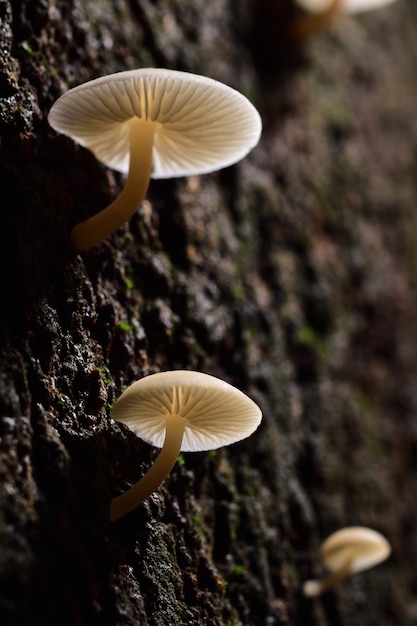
[177, 411]
[345, 552]
[321, 12]
[344, 6]
[155, 123]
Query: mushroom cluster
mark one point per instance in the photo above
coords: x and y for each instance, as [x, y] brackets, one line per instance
[177, 411]
[159, 123]
[153, 123]
[348, 551]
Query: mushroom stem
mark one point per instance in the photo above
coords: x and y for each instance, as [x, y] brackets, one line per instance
[306, 25]
[315, 587]
[91, 232]
[164, 463]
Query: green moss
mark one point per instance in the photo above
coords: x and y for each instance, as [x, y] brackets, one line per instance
[129, 284]
[199, 527]
[308, 339]
[27, 48]
[124, 326]
[238, 570]
[238, 291]
[307, 336]
[102, 371]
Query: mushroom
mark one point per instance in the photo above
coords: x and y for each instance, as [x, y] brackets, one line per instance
[345, 552]
[345, 6]
[322, 11]
[177, 411]
[153, 123]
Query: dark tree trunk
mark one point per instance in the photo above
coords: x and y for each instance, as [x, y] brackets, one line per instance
[291, 275]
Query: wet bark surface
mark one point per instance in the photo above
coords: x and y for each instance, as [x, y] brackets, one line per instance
[291, 275]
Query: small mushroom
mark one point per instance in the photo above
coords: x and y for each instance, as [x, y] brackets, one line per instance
[153, 123]
[177, 411]
[344, 6]
[345, 552]
[321, 12]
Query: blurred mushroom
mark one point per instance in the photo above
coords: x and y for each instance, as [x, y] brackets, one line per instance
[155, 123]
[321, 12]
[345, 552]
[345, 6]
[180, 411]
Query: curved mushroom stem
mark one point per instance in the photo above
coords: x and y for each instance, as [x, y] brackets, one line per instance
[306, 25]
[315, 587]
[164, 463]
[91, 232]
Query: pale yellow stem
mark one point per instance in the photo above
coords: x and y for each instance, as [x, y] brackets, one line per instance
[91, 232]
[164, 463]
[307, 25]
[316, 587]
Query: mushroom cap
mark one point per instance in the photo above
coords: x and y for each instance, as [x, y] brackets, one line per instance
[346, 6]
[202, 124]
[367, 546]
[216, 413]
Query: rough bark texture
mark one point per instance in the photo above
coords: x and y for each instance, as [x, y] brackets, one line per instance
[292, 275]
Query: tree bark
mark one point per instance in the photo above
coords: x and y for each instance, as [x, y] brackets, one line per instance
[291, 275]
